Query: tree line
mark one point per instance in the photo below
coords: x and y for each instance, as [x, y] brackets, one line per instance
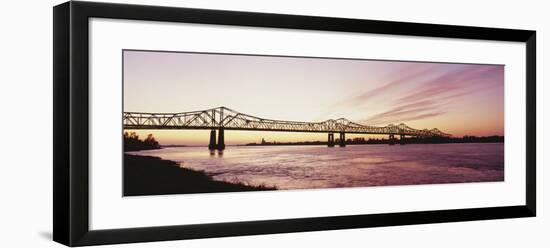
[133, 143]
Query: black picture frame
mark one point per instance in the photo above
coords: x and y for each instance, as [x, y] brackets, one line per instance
[71, 123]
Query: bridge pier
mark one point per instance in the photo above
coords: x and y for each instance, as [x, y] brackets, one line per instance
[402, 139]
[342, 140]
[221, 140]
[392, 140]
[330, 142]
[212, 144]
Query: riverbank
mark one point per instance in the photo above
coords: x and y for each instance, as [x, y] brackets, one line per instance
[145, 175]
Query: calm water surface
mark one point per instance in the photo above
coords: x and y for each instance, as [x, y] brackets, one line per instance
[297, 167]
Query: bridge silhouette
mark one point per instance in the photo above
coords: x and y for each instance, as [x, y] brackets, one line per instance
[222, 118]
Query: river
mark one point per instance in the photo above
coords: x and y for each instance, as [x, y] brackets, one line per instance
[300, 167]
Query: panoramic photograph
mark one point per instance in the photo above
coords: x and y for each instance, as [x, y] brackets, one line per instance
[212, 123]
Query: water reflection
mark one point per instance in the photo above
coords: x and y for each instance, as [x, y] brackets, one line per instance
[292, 167]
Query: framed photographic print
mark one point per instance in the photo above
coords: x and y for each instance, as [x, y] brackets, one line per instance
[177, 123]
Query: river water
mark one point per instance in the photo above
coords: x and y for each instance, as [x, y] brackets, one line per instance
[299, 167]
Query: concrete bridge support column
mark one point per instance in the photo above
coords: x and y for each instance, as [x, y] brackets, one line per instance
[221, 140]
[402, 139]
[330, 142]
[392, 139]
[342, 139]
[212, 144]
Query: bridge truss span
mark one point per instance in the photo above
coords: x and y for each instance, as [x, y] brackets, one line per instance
[228, 119]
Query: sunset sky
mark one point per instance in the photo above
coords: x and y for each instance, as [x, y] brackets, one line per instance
[460, 99]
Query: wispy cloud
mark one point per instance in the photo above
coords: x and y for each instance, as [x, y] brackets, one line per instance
[406, 76]
[431, 97]
[407, 112]
[458, 80]
[393, 81]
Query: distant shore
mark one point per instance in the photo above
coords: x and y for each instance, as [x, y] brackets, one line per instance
[146, 175]
[361, 141]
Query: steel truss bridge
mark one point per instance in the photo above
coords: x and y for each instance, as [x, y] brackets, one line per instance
[223, 118]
